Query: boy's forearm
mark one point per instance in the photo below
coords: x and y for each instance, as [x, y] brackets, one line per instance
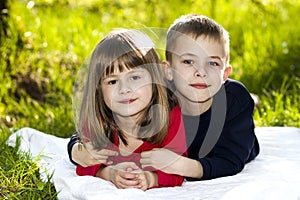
[71, 144]
[188, 167]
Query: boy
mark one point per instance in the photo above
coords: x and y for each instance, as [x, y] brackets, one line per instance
[217, 111]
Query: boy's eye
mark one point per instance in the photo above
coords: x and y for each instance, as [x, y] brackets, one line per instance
[188, 62]
[214, 64]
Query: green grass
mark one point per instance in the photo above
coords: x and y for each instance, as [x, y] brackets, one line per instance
[47, 42]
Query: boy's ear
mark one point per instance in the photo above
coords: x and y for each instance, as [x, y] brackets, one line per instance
[227, 71]
[167, 70]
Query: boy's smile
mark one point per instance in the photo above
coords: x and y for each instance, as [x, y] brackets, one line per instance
[200, 85]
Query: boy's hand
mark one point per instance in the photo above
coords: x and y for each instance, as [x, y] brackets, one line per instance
[161, 159]
[86, 155]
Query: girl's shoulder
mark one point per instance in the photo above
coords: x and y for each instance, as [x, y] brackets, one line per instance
[175, 111]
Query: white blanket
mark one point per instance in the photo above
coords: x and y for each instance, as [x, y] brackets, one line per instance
[274, 174]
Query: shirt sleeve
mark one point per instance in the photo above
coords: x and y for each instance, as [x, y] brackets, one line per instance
[167, 180]
[174, 141]
[88, 171]
[73, 140]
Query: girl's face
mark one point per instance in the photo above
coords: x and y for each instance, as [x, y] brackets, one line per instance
[127, 93]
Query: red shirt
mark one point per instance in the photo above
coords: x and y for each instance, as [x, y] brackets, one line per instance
[175, 141]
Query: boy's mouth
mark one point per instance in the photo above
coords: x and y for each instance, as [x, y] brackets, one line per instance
[199, 85]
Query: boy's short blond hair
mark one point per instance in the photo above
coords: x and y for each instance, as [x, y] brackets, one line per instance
[196, 25]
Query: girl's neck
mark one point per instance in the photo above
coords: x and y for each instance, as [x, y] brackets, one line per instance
[130, 130]
[128, 126]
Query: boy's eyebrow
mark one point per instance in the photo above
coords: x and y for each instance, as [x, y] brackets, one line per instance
[193, 55]
[216, 57]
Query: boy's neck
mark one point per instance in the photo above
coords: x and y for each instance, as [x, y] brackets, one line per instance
[194, 108]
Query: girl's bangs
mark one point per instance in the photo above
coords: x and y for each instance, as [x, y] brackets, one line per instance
[125, 62]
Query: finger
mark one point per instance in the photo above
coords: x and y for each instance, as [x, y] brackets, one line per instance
[146, 154]
[107, 152]
[131, 183]
[131, 167]
[128, 176]
[145, 161]
[124, 186]
[124, 183]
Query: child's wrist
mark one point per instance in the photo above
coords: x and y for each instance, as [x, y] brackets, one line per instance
[152, 179]
[104, 173]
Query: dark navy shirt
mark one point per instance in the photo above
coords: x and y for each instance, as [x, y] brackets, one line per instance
[229, 131]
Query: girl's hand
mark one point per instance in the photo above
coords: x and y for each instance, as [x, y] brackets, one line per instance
[161, 159]
[146, 179]
[121, 175]
[86, 155]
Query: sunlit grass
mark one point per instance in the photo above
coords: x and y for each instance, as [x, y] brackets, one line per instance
[20, 177]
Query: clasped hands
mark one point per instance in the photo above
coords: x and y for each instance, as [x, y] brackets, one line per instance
[128, 174]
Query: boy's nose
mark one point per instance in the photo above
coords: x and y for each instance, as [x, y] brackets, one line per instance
[200, 72]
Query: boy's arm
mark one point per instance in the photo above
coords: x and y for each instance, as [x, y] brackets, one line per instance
[171, 163]
[237, 144]
[71, 143]
[86, 155]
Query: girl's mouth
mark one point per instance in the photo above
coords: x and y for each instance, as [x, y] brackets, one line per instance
[127, 101]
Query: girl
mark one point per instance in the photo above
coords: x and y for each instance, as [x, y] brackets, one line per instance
[125, 109]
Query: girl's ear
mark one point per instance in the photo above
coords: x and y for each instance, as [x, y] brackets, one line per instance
[227, 71]
[167, 70]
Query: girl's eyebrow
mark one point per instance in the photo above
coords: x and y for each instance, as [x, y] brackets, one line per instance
[130, 72]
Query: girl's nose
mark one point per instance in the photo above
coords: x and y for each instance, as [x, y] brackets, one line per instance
[124, 87]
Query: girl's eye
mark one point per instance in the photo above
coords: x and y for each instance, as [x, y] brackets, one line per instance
[135, 77]
[214, 64]
[188, 62]
[111, 82]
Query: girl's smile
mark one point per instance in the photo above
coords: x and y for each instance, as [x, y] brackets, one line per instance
[127, 101]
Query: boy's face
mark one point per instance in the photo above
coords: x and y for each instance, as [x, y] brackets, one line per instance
[199, 68]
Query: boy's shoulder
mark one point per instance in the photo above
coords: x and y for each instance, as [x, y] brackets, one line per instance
[234, 86]
[237, 90]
